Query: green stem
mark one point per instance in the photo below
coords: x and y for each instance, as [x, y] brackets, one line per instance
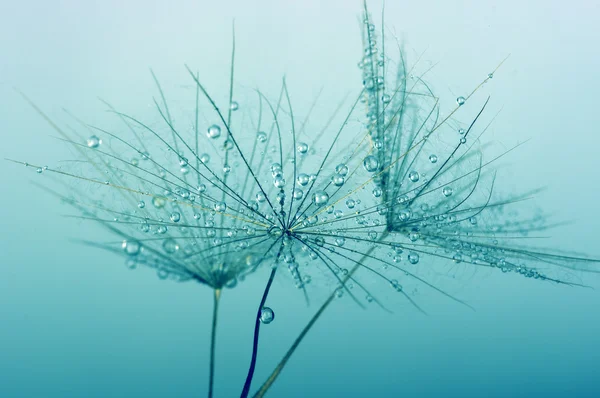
[213, 335]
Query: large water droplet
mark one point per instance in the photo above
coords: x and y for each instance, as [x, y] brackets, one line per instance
[461, 101]
[279, 182]
[175, 217]
[413, 176]
[266, 315]
[170, 246]
[338, 180]
[297, 194]
[371, 164]
[341, 169]
[320, 198]
[220, 207]
[302, 147]
[302, 179]
[94, 142]
[131, 247]
[213, 131]
[158, 202]
[447, 191]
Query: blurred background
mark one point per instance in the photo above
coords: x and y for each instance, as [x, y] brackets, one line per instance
[74, 322]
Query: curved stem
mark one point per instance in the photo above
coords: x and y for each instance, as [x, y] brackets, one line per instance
[269, 382]
[213, 335]
[248, 382]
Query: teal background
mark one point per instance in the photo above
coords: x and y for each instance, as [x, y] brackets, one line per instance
[75, 323]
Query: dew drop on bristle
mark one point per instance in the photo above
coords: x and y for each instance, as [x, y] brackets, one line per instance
[141, 204]
[338, 180]
[433, 158]
[93, 142]
[175, 217]
[170, 246]
[158, 202]
[261, 136]
[205, 158]
[220, 207]
[279, 182]
[413, 176]
[131, 247]
[266, 315]
[341, 169]
[461, 101]
[234, 106]
[371, 164]
[302, 179]
[213, 131]
[297, 194]
[447, 191]
[302, 148]
[320, 198]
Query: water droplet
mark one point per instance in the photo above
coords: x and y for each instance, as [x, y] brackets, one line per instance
[220, 207]
[141, 204]
[266, 315]
[341, 169]
[279, 182]
[158, 202]
[413, 258]
[162, 229]
[94, 142]
[298, 194]
[320, 198]
[371, 163]
[433, 158]
[460, 101]
[234, 106]
[205, 158]
[302, 147]
[213, 131]
[350, 203]
[170, 246]
[131, 247]
[447, 191]
[490, 75]
[340, 241]
[413, 176]
[261, 136]
[463, 140]
[338, 180]
[175, 217]
[38, 170]
[461, 131]
[302, 179]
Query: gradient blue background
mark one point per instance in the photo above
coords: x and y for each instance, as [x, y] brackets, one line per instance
[75, 323]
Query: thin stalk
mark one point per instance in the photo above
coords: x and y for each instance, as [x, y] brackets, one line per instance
[248, 382]
[269, 382]
[213, 335]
